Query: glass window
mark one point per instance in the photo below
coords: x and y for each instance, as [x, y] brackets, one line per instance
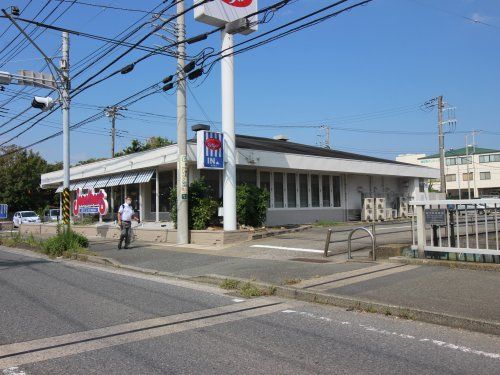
[495, 158]
[303, 190]
[451, 161]
[325, 184]
[246, 176]
[265, 182]
[470, 177]
[465, 159]
[484, 158]
[485, 175]
[315, 190]
[278, 190]
[291, 188]
[166, 184]
[336, 191]
[451, 177]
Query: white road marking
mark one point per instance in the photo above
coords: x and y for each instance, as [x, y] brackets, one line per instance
[289, 248]
[13, 371]
[238, 300]
[370, 328]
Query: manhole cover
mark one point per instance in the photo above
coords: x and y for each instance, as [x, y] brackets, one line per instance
[310, 260]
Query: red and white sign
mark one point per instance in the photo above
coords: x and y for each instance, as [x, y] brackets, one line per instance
[90, 203]
[219, 12]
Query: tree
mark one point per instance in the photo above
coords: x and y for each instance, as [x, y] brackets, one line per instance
[150, 144]
[20, 179]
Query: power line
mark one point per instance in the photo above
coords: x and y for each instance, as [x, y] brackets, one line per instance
[108, 7]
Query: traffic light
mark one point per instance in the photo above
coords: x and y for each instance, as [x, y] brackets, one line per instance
[43, 103]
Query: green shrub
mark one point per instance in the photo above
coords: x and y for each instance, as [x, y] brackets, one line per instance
[251, 205]
[202, 206]
[65, 241]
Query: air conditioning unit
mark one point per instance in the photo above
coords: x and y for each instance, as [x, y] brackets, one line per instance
[368, 203]
[388, 214]
[380, 203]
[380, 214]
[367, 215]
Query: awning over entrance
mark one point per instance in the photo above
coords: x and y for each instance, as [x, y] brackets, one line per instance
[137, 177]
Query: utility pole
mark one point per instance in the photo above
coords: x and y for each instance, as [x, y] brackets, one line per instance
[182, 167]
[324, 136]
[441, 144]
[66, 86]
[467, 163]
[112, 112]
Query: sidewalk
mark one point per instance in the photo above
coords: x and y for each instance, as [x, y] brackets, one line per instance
[461, 293]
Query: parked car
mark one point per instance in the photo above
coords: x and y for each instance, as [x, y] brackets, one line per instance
[52, 214]
[23, 217]
[471, 208]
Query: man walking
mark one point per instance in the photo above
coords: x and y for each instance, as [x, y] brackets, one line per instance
[125, 216]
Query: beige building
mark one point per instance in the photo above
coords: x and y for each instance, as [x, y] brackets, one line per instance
[476, 170]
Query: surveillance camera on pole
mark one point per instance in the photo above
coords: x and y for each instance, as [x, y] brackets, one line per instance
[43, 103]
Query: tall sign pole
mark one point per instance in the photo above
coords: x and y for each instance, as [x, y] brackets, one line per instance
[182, 171]
[237, 17]
[441, 144]
[227, 90]
[65, 110]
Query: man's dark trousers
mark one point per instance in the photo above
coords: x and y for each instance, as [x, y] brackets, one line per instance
[125, 233]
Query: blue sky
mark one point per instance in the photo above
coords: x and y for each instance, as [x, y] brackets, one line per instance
[365, 74]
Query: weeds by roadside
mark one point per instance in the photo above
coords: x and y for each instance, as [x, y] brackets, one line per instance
[64, 243]
[247, 289]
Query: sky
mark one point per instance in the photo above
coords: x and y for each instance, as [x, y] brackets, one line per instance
[366, 74]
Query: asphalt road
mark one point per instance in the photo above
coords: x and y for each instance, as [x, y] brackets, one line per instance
[71, 318]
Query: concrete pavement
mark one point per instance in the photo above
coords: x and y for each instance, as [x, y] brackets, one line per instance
[66, 317]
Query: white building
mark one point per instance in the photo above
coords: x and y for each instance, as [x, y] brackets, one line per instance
[306, 183]
[476, 169]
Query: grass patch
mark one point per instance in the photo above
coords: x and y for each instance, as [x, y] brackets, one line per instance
[64, 243]
[327, 223]
[249, 290]
[230, 284]
[291, 281]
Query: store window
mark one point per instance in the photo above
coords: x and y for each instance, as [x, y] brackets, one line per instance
[325, 183]
[265, 183]
[291, 187]
[166, 184]
[314, 190]
[451, 177]
[278, 190]
[303, 190]
[336, 191]
[246, 176]
[466, 160]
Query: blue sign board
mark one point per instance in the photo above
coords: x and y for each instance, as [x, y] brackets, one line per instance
[89, 210]
[210, 153]
[4, 210]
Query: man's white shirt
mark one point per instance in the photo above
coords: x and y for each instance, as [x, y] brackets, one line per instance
[126, 211]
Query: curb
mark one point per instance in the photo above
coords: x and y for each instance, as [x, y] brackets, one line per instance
[447, 263]
[483, 326]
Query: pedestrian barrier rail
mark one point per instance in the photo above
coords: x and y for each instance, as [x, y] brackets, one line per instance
[460, 227]
[385, 229]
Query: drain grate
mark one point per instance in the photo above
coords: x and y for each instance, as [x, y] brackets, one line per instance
[310, 260]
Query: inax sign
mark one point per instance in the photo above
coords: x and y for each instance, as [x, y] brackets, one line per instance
[210, 150]
[219, 12]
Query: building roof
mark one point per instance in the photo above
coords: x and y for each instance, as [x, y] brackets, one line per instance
[269, 144]
[463, 152]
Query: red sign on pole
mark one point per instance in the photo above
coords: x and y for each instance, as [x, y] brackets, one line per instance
[91, 203]
[238, 3]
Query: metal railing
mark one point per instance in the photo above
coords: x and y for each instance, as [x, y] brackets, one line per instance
[382, 232]
[471, 227]
[349, 239]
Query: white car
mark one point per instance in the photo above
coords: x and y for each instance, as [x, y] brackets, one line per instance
[24, 217]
